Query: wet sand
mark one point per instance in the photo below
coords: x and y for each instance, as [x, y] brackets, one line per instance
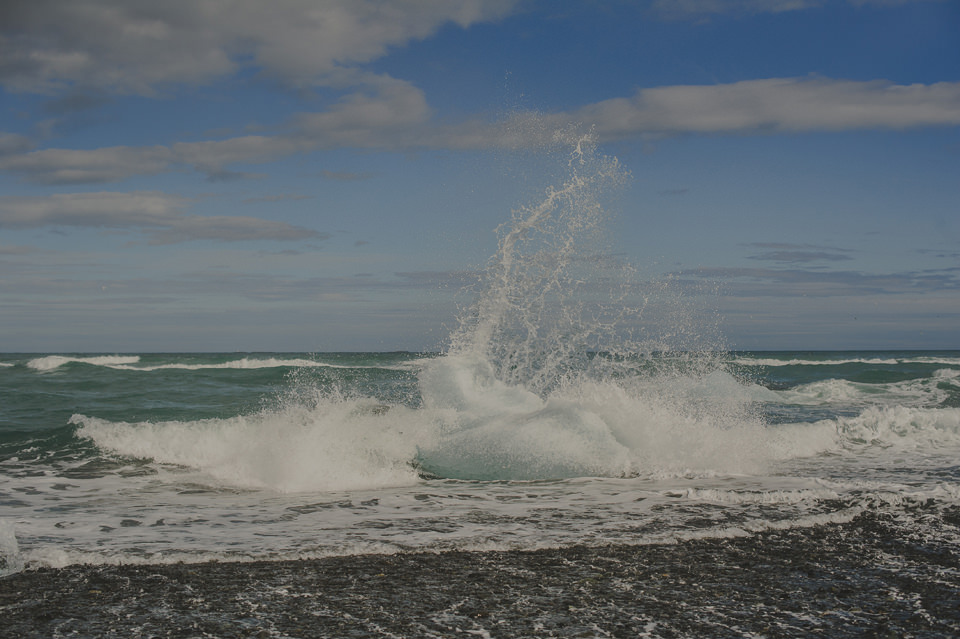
[872, 577]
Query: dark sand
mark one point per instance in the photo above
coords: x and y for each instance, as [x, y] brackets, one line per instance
[869, 578]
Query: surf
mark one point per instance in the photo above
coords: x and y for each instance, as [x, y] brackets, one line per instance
[569, 365]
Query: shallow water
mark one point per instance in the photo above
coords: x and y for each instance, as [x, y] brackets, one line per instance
[166, 458]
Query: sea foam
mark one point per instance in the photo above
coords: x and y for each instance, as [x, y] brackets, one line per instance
[335, 444]
[53, 362]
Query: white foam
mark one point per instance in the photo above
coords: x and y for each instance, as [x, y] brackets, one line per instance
[168, 518]
[517, 393]
[751, 528]
[902, 427]
[752, 497]
[653, 427]
[61, 557]
[53, 362]
[338, 444]
[912, 392]
[247, 363]
[767, 361]
[133, 363]
[432, 531]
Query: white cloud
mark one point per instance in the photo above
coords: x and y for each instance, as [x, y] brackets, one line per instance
[136, 46]
[774, 105]
[283, 197]
[93, 166]
[104, 209]
[393, 115]
[160, 216]
[697, 9]
[12, 143]
[211, 157]
[228, 229]
[113, 164]
[387, 114]
[678, 9]
[390, 114]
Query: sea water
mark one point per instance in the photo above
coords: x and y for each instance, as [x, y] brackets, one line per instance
[577, 403]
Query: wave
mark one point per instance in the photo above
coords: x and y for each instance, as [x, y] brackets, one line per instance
[50, 556]
[133, 363]
[651, 427]
[516, 396]
[772, 362]
[471, 426]
[902, 427]
[926, 391]
[243, 526]
[63, 556]
[339, 444]
[247, 363]
[53, 362]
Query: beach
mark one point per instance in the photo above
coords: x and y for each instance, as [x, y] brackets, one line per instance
[866, 578]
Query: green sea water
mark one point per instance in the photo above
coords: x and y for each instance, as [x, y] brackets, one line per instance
[188, 457]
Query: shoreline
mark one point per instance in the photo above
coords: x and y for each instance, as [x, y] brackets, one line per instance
[869, 577]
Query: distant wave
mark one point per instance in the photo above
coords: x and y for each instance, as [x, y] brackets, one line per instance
[908, 428]
[912, 392]
[132, 363]
[253, 364]
[53, 362]
[749, 361]
[245, 363]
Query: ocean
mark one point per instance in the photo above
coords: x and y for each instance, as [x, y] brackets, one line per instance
[160, 458]
[580, 459]
[172, 459]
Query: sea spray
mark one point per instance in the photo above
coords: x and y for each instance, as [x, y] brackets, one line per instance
[568, 364]
[557, 371]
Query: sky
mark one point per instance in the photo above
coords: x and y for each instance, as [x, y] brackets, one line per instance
[327, 175]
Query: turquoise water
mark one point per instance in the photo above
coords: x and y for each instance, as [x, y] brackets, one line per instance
[173, 457]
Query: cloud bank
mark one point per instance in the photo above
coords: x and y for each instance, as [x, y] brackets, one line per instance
[775, 105]
[86, 50]
[394, 116]
[141, 47]
[159, 216]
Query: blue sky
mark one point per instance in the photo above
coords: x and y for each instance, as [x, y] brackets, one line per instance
[326, 175]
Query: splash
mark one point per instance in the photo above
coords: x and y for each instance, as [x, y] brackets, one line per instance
[554, 296]
[567, 365]
[331, 444]
[559, 370]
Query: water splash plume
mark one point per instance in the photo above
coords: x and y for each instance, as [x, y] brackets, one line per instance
[558, 323]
